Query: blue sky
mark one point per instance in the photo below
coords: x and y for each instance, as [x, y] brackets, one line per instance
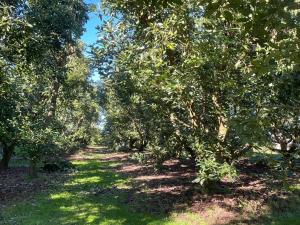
[90, 35]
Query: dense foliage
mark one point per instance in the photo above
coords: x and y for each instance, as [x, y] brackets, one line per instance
[203, 79]
[47, 102]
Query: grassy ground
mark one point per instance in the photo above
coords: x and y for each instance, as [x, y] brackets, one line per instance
[92, 195]
[96, 194]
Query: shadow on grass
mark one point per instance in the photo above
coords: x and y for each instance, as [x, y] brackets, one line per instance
[92, 195]
[109, 189]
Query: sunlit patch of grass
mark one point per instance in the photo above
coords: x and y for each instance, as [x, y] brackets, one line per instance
[61, 195]
[95, 194]
[87, 180]
[75, 203]
[294, 187]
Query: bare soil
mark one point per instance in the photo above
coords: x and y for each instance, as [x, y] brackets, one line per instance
[15, 185]
[253, 192]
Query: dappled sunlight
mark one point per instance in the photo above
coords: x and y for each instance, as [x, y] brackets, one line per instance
[101, 192]
[87, 180]
[90, 196]
[61, 195]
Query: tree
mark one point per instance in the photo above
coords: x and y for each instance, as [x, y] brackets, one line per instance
[191, 75]
[39, 85]
[14, 36]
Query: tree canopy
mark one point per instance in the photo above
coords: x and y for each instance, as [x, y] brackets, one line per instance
[211, 79]
[205, 80]
[48, 103]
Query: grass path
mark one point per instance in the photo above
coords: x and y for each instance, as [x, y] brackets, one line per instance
[94, 194]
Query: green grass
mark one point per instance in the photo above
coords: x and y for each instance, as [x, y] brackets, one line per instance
[74, 202]
[293, 220]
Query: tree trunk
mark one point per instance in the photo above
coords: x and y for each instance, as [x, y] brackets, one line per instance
[142, 146]
[192, 154]
[222, 129]
[7, 154]
[32, 169]
[132, 141]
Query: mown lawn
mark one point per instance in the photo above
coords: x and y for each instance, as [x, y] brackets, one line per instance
[78, 202]
[96, 194]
